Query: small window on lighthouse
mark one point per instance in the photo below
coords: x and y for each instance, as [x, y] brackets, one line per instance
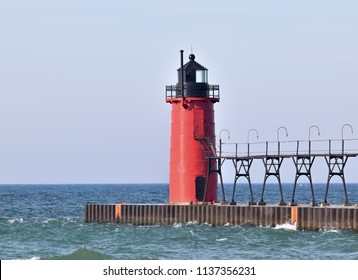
[201, 76]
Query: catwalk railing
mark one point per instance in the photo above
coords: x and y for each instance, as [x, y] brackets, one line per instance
[288, 148]
[174, 91]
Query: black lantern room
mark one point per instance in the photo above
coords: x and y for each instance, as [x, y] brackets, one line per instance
[194, 78]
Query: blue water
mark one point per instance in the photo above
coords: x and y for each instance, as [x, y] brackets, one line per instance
[47, 222]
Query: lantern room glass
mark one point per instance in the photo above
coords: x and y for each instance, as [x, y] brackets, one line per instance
[201, 76]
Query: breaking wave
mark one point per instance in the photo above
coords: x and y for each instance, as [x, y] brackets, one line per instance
[286, 226]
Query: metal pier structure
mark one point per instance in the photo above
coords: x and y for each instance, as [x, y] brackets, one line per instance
[303, 154]
[305, 217]
[196, 168]
[312, 216]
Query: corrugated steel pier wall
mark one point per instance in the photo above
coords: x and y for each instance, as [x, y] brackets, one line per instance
[332, 217]
[305, 217]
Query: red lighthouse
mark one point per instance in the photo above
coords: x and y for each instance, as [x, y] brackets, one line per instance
[192, 134]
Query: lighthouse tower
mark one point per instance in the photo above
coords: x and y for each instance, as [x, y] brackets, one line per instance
[192, 134]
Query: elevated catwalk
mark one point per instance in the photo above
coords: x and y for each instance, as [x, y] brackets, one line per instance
[303, 216]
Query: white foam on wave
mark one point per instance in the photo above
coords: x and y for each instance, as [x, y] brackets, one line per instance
[266, 226]
[329, 230]
[148, 226]
[221, 239]
[70, 220]
[179, 225]
[15, 220]
[48, 220]
[286, 226]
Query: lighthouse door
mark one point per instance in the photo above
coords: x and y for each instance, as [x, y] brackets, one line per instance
[199, 188]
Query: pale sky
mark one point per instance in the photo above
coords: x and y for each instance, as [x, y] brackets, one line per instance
[82, 83]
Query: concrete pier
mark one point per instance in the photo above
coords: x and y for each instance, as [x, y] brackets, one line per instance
[305, 217]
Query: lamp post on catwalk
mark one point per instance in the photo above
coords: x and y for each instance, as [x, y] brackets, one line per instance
[192, 139]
